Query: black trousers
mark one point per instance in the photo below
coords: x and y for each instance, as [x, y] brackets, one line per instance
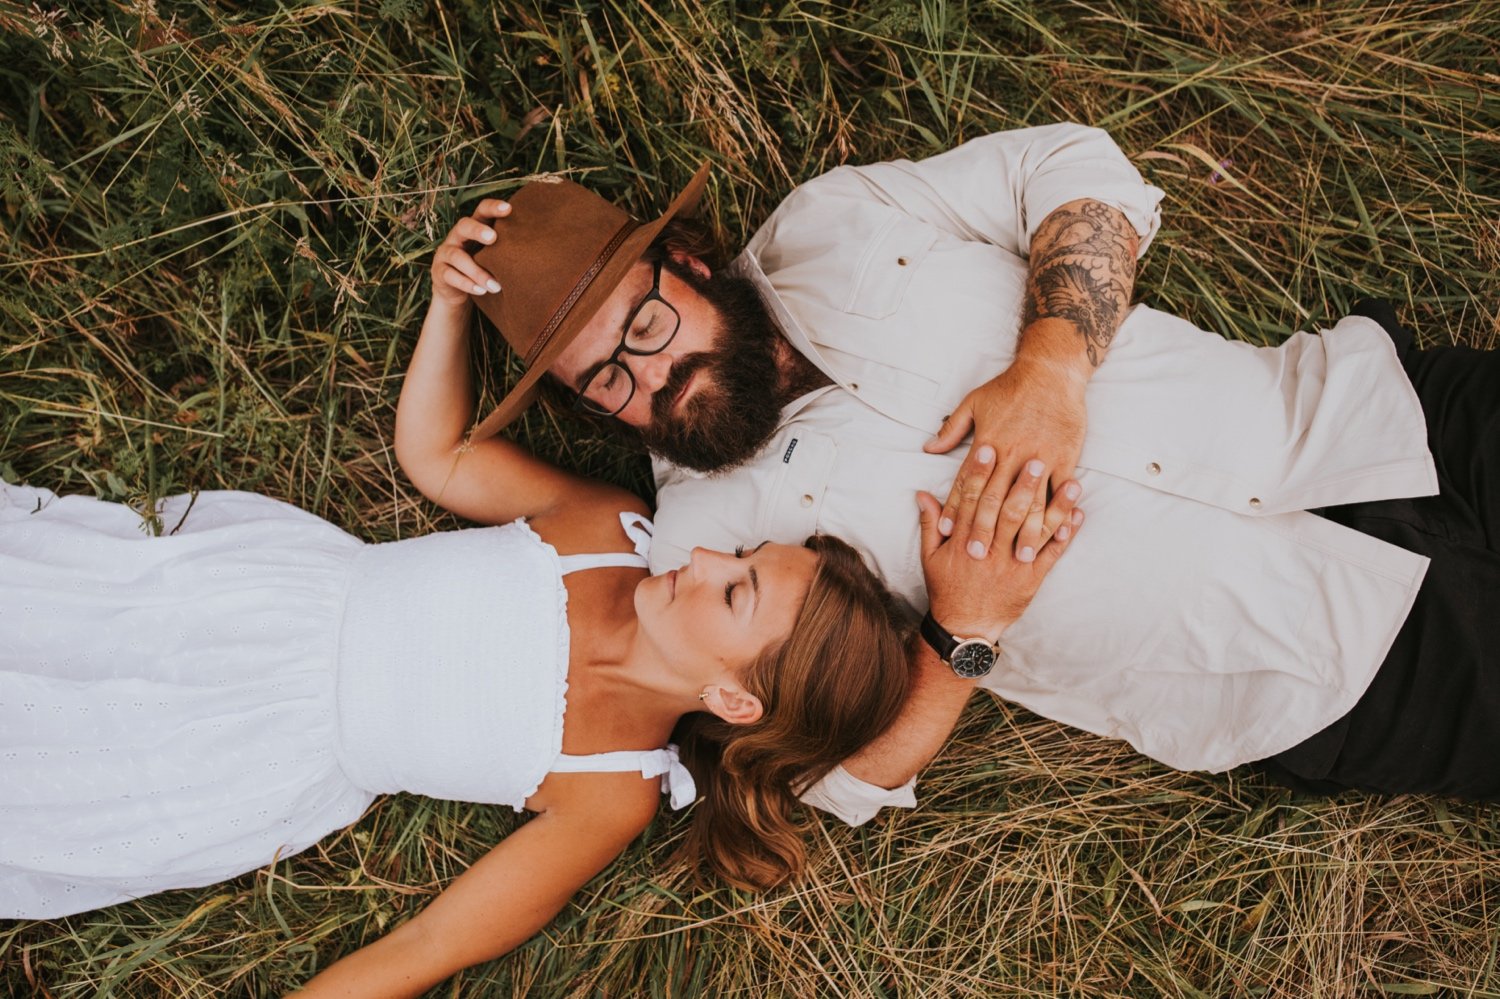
[1430, 720]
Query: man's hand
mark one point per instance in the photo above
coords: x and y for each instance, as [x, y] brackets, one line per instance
[1078, 287]
[982, 597]
[1029, 410]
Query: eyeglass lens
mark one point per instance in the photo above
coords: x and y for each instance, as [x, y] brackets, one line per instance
[651, 330]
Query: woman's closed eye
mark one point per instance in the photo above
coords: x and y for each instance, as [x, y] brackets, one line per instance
[739, 552]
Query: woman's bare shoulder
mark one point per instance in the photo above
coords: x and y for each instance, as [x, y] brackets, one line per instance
[626, 802]
[590, 520]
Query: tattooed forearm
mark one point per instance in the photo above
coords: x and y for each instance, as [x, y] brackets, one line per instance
[1082, 270]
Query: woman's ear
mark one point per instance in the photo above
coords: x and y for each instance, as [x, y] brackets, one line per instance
[732, 704]
[692, 263]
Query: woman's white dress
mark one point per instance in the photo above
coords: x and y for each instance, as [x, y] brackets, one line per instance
[177, 710]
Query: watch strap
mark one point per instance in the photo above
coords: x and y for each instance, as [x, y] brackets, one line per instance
[935, 635]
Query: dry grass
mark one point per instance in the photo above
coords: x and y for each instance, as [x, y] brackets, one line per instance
[215, 217]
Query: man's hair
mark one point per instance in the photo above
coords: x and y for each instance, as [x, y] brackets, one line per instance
[690, 236]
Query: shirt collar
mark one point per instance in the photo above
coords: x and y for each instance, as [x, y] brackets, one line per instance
[747, 265]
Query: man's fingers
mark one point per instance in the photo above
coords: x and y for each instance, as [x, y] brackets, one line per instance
[954, 429]
[928, 510]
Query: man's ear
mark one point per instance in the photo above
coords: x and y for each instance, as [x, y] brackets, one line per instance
[736, 706]
[692, 263]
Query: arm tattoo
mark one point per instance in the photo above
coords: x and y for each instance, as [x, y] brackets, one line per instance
[1082, 270]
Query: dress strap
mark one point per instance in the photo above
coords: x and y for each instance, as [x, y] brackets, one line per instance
[675, 779]
[637, 528]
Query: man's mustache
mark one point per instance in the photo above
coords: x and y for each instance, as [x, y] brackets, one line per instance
[682, 371]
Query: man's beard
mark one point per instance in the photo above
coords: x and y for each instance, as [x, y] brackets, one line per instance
[737, 404]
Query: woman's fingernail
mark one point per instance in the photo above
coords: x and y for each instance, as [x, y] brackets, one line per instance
[494, 285]
[488, 236]
[1026, 554]
[1034, 467]
[977, 550]
[945, 526]
[1063, 532]
[1071, 490]
[985, 454]
[1077, 517]
[479, 289]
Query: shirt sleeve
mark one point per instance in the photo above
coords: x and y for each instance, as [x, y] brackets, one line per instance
[999, 188]
[854, 800]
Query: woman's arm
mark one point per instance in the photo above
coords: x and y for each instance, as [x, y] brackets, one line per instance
[970, 596]
[494, 480]
[504, 899]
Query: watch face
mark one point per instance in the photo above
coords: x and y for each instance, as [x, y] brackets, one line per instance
[973, 658]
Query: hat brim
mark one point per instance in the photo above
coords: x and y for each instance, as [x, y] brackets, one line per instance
[634, 246]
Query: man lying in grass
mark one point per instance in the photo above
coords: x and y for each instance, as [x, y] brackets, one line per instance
[1277, 571]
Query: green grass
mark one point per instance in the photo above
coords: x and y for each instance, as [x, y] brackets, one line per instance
[215, 221]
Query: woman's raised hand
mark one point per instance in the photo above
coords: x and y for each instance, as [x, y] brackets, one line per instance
[455, 274]
[975, 584]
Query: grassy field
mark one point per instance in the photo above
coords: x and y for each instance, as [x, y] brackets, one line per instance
[216, 218]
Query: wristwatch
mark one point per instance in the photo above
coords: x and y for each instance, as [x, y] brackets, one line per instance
[968, 657]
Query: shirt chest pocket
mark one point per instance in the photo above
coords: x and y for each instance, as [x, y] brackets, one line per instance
[889, 259]
[794, 501]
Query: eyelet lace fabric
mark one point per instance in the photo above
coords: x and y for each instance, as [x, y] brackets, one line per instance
[167, 704]
[178, 710]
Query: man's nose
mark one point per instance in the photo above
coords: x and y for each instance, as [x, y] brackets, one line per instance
[651, 372]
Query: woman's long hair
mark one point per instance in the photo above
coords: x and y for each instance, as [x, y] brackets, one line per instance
[835, 684]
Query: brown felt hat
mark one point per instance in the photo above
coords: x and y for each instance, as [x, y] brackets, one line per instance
[561, 252]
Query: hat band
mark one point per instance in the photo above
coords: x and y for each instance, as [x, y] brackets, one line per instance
[584, 281]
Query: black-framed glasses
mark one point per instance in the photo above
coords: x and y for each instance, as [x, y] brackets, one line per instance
[609, 388]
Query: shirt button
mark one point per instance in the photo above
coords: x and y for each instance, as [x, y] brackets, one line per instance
[806, 500]
[1254, 503]
[854, 386]
[1153, 469]
[901, 261]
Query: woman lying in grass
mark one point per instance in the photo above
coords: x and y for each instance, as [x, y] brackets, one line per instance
[178, 710]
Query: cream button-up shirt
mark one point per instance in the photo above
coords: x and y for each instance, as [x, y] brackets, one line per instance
[1200, 615]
